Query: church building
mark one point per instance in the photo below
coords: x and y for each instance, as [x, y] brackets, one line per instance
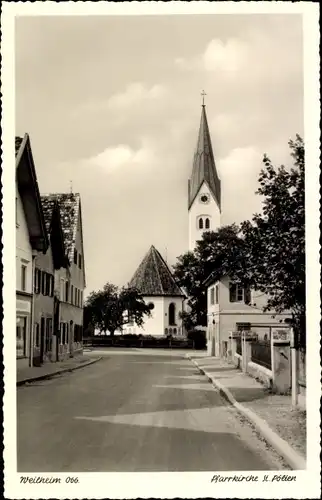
[204, 190]
[154, 280]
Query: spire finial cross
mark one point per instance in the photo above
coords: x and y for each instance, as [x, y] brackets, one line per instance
[71, 186]
[203, 93]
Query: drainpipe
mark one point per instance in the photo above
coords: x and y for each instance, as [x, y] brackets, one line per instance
[32, 312]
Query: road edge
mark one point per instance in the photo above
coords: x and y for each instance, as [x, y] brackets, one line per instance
[50, 375]
[294, 460]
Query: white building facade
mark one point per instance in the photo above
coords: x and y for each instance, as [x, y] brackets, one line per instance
[233, 308]
[31, 237]
[154, 280]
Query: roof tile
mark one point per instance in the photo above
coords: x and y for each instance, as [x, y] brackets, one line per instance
[69, 211]
[153, 276]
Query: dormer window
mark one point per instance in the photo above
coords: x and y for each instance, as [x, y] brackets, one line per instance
[200, 223]
[75, 256]
[207, 223]
[79, 261]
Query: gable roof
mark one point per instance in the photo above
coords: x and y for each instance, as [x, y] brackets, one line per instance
[153, 277]
[27, 183]
[204, 167]
[54, 229]
[69, 207]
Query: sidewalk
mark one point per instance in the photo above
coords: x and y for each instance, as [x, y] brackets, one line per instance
[281, 425]
[47, 370]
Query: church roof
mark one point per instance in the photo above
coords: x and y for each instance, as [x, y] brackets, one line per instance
[204, 167]
[153, 277]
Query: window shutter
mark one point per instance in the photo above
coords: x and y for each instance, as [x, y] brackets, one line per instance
[247, 295]
[43, 282]
[232, 292]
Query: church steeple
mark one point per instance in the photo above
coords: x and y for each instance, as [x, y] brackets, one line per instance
[204, 167]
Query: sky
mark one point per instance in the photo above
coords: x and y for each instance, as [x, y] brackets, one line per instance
[112, 106]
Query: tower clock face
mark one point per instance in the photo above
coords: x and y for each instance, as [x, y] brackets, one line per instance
[204, 198]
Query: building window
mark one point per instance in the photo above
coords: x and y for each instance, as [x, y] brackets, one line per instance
[48, 284]
[212, 296]
[236, 293]
[172, 314]
[243, 327]
[72, 294]
[67, 291]
[207, 223]
[23, 277]
[217, 294]
[166, 331]
[200, 223]
[75, 256]
[81, 299]
[151, 306]
[21, 337]
[79, 261]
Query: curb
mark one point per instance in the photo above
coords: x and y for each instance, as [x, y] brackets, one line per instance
[50, 375]
[294, 460]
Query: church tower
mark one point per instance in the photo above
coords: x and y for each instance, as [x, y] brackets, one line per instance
[204, 191]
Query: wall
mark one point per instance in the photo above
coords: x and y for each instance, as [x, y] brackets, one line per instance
[198, 208]
[23, 298]
[44, 304]
[159, 320]
[68, 312]
[23, 247]
[227, 314]
[153, 325]
[260, 373]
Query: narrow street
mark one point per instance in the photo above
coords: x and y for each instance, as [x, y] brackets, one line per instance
[134, 412]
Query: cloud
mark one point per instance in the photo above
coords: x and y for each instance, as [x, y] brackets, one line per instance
[229, 56]
[220, 56]
[136, 94]
[121, 156]
[133, 98]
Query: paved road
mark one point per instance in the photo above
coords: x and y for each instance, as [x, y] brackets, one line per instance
[132, 412]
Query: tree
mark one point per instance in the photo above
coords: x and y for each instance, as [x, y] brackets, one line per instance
[217, 252]
[88, 327]
[274, 241]
[109, 306]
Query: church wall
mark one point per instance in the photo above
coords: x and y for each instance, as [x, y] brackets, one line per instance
[158, 322]
[177, 327]
[153, 325]
[197, 209]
